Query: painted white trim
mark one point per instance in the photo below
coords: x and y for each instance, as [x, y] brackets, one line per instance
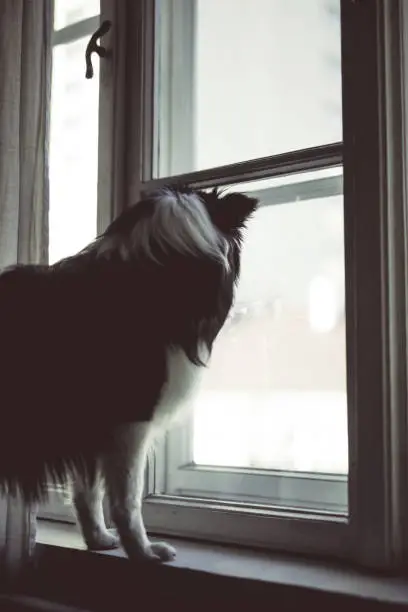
[112, 113]
[173, 143]
[294, 162]
[316, 534]
[274, 488]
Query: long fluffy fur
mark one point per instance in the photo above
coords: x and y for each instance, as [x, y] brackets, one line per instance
[84, 342]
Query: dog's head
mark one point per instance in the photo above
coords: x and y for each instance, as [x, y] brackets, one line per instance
[182, 223]
[229, 213]
[184, 248]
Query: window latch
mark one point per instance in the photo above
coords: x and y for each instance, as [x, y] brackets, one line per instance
[93, 47]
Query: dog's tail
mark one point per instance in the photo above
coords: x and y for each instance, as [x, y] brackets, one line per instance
[178, 223]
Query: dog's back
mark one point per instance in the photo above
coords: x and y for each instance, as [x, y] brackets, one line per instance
[78, 356]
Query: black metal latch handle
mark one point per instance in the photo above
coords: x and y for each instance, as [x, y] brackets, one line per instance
[93, 47]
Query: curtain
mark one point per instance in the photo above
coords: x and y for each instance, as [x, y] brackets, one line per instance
[25, 83]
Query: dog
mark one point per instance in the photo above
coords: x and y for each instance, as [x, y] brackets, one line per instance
[101, 351]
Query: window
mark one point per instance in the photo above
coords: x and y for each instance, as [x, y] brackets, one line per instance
[297, 438]
[293, 418]
[268, 428]
[74, 132]
[74, 127]
[235, 100]
[269, 425]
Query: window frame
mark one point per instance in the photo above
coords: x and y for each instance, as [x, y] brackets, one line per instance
[374, 153]
[58, 505]
[325, 492]
[321, 493]
[111, 151]
[370, 32]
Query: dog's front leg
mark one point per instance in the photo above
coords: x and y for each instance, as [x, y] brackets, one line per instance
[124, 469]
[88, 501]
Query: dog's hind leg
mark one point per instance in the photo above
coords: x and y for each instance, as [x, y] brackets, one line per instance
[88, 502]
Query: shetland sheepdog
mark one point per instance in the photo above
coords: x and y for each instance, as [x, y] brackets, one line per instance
[100, 351]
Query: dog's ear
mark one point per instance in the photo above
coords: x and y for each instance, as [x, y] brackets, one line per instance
[232, 210]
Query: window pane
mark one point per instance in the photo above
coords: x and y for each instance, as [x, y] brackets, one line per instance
[234, 83]
[73, 152]
[67, 12]
[274, 396]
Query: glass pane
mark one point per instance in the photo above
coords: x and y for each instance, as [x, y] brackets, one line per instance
[67, 12]
[274, 396]
[235, 84]
[73, 152]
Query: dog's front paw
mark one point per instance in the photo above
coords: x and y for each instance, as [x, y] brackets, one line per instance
[102, 540]
[160, 551]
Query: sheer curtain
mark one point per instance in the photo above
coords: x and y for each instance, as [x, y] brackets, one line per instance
[25, 76]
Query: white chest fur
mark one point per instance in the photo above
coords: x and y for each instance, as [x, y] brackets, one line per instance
[182, 381]
[183, 378]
